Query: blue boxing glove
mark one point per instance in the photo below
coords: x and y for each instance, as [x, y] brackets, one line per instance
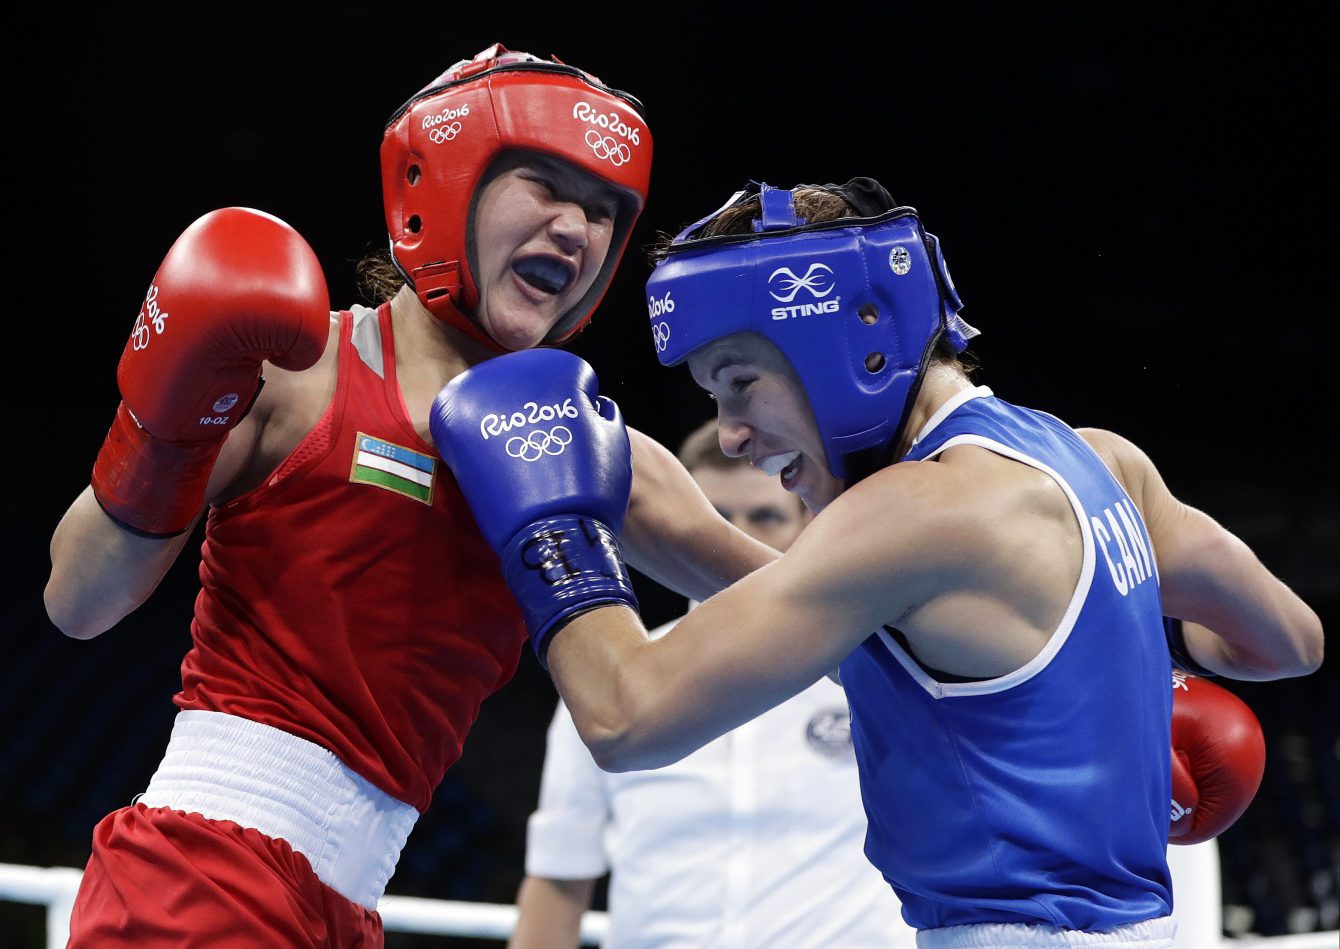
[545, 465]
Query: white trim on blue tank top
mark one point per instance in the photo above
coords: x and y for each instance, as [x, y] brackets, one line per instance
[1058, 637]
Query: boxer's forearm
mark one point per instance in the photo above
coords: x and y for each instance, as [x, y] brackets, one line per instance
[100, 571]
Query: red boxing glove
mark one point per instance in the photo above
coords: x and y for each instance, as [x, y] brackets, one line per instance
[1218, 759]
[236, 288]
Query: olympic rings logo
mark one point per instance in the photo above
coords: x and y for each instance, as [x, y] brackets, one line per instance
[539, 443]
[444, 133]
[139, 335]
[660, 334]
[616, 153]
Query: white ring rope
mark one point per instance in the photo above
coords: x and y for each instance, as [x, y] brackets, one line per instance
[55, 887]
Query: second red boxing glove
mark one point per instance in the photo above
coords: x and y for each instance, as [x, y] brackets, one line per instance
[1218, 759]
[238, 287]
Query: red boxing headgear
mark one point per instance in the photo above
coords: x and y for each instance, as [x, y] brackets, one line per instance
[438, 146]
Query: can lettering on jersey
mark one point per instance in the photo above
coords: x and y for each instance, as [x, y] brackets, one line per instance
[1120, 526]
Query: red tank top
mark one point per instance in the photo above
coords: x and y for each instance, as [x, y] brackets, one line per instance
[350, 599]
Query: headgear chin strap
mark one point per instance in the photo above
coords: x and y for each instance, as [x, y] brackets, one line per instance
[857, 305]
[438, 146]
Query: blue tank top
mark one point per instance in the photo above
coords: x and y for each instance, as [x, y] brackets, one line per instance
[1041, 796]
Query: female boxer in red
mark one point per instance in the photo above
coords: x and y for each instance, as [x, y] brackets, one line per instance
[351, 618]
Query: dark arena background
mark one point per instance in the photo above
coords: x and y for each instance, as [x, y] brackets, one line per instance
[1132, 204]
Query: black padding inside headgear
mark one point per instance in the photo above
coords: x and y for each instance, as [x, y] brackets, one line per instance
[866, 195]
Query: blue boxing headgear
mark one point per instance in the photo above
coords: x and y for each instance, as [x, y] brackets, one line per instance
[857, 305]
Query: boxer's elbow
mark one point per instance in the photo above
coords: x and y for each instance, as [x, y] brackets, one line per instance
[627, 752]
[1296, 649]
[630, 750]
[613, 752]
[629, 733]
[620, 742]
[73, 617]
[1310, 645]
[83, 606]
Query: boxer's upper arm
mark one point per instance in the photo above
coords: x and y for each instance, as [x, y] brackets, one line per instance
[1186, 541]
[1249, 624]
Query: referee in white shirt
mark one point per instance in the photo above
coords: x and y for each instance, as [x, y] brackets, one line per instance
[754, 840]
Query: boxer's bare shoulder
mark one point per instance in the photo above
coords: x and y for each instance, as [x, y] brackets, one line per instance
[965, 540]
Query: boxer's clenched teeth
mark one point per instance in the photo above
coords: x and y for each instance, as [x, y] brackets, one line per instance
[773, 464]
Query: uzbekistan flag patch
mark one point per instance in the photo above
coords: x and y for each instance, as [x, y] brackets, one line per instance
[393, 467]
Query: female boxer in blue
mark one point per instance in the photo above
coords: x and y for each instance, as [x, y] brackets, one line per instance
[992, 584]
